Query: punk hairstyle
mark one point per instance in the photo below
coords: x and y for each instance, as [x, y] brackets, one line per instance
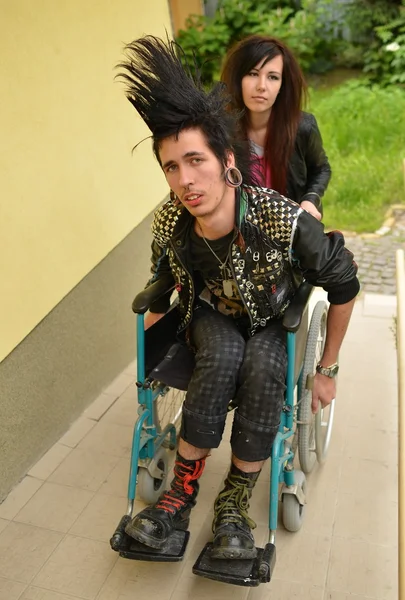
[169, 98]
[286, 112]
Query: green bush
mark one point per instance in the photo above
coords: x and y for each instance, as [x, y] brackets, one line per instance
[321, 33]
[385, 60]
[206, 40]
[363, 130]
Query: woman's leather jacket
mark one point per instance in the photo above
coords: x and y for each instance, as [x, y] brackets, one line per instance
[309, 171]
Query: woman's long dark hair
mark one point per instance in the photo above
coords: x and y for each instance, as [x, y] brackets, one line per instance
[169, 97]
[286, 111]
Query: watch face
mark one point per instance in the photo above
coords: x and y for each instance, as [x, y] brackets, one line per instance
[328, 371]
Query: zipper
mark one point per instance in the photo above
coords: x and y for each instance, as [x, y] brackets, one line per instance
[241, 199]
[192, 284]
[236, 283]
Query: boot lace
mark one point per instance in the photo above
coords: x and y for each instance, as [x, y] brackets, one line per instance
[176, 497]
[232, 503]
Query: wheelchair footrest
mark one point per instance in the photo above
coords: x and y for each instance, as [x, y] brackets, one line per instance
[250, 573]
[127, 547]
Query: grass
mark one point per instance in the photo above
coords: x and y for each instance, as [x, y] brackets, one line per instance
[363, 131]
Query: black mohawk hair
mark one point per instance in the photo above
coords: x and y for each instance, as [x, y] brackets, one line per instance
[169, 96]
[161, 89]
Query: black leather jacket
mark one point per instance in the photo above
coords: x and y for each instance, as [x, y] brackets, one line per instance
[309, 171]
[282, 244]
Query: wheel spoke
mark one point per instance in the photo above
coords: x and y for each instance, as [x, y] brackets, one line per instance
[168, 408]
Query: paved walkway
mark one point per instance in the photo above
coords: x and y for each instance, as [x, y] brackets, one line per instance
[376, 256]
[55, 526]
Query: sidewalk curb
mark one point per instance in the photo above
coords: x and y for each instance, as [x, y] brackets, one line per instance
[386, 227]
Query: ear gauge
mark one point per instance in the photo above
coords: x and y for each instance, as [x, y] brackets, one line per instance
[233, 177]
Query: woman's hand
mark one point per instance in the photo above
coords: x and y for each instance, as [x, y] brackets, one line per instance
[151, 319]
[311, 209]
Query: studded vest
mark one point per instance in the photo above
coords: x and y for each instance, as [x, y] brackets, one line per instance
[262, 265]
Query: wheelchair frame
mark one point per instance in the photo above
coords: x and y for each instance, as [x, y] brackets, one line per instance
[147, 440]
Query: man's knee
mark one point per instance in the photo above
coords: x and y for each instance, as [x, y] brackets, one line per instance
[263, 367]
[252, 442]
[221, 358]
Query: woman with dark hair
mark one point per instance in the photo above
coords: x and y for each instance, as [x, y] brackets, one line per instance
[266, 84]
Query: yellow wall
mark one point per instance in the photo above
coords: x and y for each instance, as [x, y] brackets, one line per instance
[182, 9]
[70, 188]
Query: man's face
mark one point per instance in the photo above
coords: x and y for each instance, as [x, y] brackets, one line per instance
[193, 172]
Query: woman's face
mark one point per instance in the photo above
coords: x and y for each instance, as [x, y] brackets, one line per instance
[262, 84]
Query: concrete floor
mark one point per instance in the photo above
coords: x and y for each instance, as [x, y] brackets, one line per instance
[55, 525]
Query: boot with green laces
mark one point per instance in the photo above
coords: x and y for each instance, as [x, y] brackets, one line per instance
[232, 526]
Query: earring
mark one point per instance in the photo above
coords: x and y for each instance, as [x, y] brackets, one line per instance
[233, 177]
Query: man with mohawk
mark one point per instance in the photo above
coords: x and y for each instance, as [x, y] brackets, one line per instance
[237, 254]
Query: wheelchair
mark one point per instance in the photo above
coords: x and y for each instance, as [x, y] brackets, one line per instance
[161, 391]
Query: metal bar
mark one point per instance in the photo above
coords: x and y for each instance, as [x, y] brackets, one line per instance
[400, 342]
[274, 479]
[140, 349]
[290, 378]
[136, 442]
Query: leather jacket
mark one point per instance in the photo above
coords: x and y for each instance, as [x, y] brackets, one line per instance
[282, 244]
[309, 171]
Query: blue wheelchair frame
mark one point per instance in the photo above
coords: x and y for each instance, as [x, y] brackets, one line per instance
[147, 440]
[282, 456]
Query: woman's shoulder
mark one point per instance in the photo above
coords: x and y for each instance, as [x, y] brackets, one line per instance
[307, 122]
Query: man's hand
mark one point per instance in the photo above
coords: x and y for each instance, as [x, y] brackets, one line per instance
[151, 319]
[311, 209]
[323, 391]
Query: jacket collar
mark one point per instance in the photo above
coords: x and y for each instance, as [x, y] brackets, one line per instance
[185, 219]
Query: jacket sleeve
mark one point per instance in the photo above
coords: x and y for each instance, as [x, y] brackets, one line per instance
[160, 269]
[318, 168]
[324, 260]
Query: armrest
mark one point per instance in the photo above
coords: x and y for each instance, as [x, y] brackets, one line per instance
[153, 292]
[293, 314]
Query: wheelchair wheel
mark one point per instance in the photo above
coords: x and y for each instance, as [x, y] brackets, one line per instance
[293, 511]
[323, 431]
[307, 439]
[168, 406]
[149, 488]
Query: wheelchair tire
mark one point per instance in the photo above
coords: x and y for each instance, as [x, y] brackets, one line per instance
[323, 431]
[168, 406]
[293, 512]
[149, 488]
[307, 447]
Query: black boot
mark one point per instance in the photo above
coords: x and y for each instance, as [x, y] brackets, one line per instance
[231, 525]
[153, 525]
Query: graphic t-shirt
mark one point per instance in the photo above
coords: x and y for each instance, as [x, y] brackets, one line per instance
[207, 266]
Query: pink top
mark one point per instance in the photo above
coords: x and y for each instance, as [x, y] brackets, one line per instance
[261, 171]
[260, 167]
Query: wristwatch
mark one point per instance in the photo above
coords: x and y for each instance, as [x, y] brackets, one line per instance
[331, 371]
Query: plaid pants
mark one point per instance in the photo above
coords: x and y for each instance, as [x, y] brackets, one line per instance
[231, 366]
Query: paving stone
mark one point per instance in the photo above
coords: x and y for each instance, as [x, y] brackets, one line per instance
[376, 257]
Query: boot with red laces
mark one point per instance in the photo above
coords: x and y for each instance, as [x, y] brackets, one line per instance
[153, 525]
